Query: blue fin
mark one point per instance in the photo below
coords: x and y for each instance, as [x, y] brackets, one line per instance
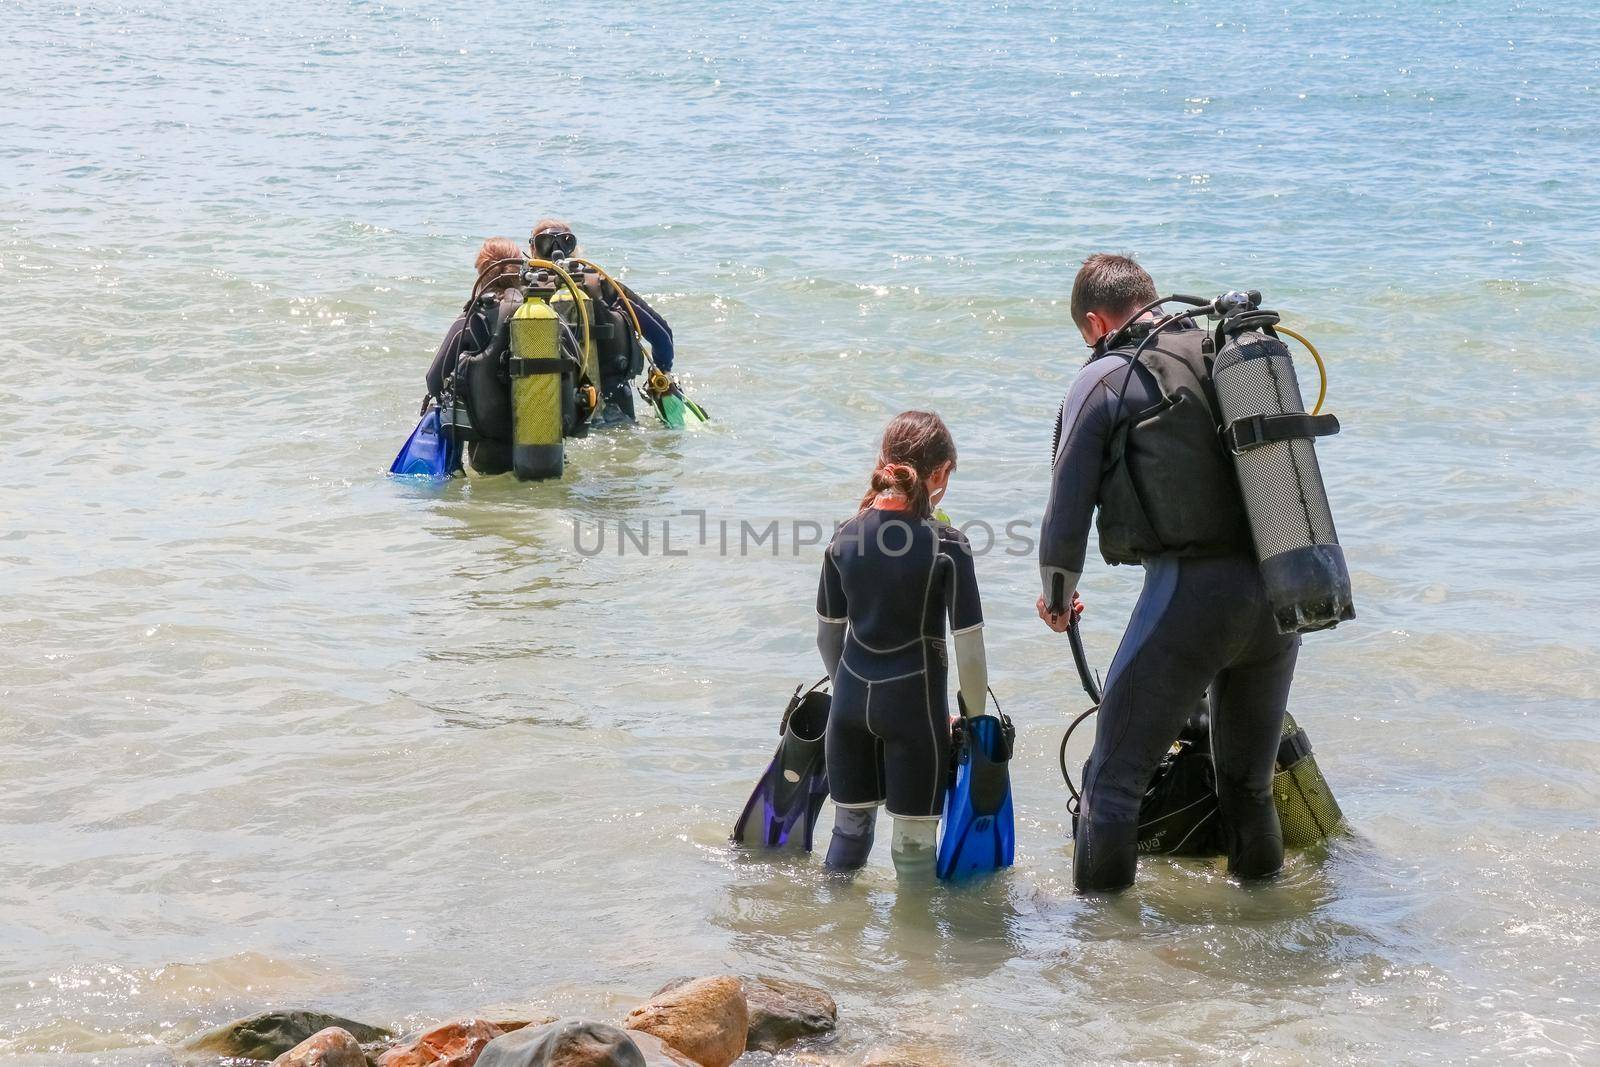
[427, 452]
[978, 834]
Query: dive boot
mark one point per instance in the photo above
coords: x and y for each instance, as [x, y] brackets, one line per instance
[1253, 833]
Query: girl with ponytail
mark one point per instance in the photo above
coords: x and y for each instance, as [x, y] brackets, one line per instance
[891, 578]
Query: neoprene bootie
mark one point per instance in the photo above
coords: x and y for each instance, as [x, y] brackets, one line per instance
[1255, 837]
[1105, 856]
[851, 843]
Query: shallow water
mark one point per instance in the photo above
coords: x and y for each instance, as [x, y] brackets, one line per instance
[279, 731]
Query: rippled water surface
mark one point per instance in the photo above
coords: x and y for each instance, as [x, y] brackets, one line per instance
[279, 731]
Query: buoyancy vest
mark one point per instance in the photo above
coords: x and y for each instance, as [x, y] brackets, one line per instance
[621, 355]
[1168, 486]
[481, 371]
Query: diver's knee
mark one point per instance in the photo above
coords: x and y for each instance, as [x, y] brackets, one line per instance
[1114, 790]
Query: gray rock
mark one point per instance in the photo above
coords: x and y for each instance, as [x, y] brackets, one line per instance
[270, 1034]
[782, 1012]
[564, 1043]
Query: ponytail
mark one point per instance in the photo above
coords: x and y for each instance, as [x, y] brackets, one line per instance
[915, 444]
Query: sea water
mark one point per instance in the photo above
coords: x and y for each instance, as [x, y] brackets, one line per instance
[276, 730]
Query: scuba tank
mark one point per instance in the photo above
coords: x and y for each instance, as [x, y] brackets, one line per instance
[1262, 424]
[541, 391]
[1267, 430]
[577, 310]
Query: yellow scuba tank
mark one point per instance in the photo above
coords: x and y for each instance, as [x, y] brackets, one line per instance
[541, 387]
[1266, 428]
[577, 316]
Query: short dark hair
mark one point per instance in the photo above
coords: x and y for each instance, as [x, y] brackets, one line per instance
[1110, 284]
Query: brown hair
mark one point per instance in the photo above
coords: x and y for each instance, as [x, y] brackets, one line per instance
[551, 224]
[493, 270]
[1110, 284]
[915, 444]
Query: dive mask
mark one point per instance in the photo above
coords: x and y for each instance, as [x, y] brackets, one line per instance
[554, 244]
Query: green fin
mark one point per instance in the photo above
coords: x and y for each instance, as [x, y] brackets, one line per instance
[670, 409]
[693, 412]
[678, 411]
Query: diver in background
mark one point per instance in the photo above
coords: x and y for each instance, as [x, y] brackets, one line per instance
[890, 578]
[1202, 622]
[499, 263]
[553, 239]
[469, 364]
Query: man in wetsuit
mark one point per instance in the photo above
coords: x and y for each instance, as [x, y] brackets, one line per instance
[553, 239]
[1137, 442]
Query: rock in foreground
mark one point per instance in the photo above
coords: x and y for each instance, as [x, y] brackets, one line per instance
[452, 1044]
[271, 1034]
[566, 1043]
[706, 1019]
[333, 1047]
[782, 1012]
[657, 1053]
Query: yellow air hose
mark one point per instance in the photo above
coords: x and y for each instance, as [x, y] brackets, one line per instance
[572, 287]
[1322, 369]
[657, 381]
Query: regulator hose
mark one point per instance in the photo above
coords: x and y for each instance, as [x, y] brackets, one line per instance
[1080, 659]
[1322, 368]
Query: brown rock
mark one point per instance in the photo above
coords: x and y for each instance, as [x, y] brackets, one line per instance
[706, 1019]
[333, 1047]
[565, 1043]
[508, 1025]
[782, 1012]
[451, 1044]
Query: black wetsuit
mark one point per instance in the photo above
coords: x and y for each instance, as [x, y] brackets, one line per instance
[893, 581]
[1202, 624]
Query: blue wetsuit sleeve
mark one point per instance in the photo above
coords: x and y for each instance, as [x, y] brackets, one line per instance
[1087, 416]
[654, 328]
[965, 607]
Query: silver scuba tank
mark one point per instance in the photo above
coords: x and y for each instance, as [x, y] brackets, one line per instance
[1266, 428]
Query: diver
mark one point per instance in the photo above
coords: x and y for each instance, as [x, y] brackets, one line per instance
[891, 577]
[468, 378]
[1167, 498]
[499, 279]
[554, 240]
